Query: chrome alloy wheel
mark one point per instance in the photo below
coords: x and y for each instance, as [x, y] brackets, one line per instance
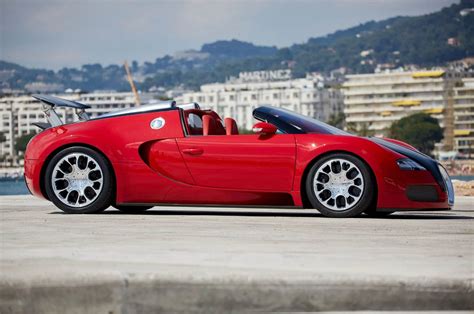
[338, 184]
[77, 180]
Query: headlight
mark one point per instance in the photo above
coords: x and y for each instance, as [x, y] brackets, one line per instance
[448, 184]
[409, 164]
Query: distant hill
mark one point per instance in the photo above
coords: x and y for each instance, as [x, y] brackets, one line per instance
[422, 40]
[235, 49]
[209, 56]
[431, 39]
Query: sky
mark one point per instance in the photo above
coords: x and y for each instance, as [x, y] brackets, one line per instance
[53, 34]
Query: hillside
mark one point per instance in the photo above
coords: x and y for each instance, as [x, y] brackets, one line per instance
[235, 49]
[421, 40]
[426, 40]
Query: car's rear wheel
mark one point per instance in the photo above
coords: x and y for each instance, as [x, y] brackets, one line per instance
[340, 185]
[132, 209]
[78, 180]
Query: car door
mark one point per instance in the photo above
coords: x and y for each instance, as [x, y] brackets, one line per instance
[243, 162]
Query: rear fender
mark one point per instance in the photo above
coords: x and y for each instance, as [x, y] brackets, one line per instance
[119, 138]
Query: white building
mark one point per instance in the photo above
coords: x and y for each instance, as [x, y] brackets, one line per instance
[464, 117]
[238, 97]
[17, 114]
[375, 101]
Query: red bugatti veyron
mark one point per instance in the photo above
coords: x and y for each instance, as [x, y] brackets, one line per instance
[137, 158]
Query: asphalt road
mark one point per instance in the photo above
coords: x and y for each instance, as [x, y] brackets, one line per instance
[215, 259]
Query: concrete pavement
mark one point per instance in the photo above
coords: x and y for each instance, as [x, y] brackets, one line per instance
[229, 259]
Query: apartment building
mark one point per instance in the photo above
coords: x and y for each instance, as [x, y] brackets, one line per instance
[375, 101]
[238, 97]
[464, 117]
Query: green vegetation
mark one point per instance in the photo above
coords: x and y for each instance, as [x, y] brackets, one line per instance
[22, 141]
[419, 130]
[2, 139]
[236, 49]
[337, 120]
[362, 129]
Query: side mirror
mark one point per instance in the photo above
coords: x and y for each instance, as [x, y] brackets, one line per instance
[264, 128]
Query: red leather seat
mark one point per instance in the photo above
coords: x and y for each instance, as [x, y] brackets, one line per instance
[220, 130]
[209, 125]
[214, 126]
[231, 127]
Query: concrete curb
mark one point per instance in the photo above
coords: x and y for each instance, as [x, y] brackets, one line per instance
[139, 295]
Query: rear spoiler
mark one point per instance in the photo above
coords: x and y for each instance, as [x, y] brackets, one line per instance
[50, 103]
[42, 125]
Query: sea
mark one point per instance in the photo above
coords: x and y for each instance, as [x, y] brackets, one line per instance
[13, 187]
[18, 186]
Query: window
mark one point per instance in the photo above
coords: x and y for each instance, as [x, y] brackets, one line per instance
[194, 124]
[194, 121]
[294, 123]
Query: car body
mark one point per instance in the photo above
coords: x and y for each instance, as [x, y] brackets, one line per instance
[158, 154]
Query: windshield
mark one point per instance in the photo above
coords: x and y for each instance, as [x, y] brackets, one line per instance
[294, 123]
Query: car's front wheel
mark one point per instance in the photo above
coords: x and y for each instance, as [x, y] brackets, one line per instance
[340, 185]
[78, 180]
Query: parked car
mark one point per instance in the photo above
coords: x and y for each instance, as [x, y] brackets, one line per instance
[159, 154]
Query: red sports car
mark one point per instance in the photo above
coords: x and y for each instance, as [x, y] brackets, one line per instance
[137, 158]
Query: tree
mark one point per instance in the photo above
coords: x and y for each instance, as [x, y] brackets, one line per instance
[362, 129]
[337, 120]
[22, 141]
[3, 138]
[420, 130]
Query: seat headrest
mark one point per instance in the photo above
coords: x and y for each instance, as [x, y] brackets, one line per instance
[209, 125]
[220, 130]
[231, 127]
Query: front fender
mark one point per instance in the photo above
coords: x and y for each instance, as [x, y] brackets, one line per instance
[382, 162]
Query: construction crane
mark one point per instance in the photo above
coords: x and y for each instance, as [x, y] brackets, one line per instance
[132, 85]
[448, 96]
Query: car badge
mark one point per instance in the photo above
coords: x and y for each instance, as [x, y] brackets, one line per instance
[157, 123]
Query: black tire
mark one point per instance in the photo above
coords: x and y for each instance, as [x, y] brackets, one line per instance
[361, 202]
[101, 200]
[132, 209]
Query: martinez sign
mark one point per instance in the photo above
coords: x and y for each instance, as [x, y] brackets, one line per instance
[261, 76]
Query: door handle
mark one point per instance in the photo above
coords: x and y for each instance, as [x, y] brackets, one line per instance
[193, 151]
